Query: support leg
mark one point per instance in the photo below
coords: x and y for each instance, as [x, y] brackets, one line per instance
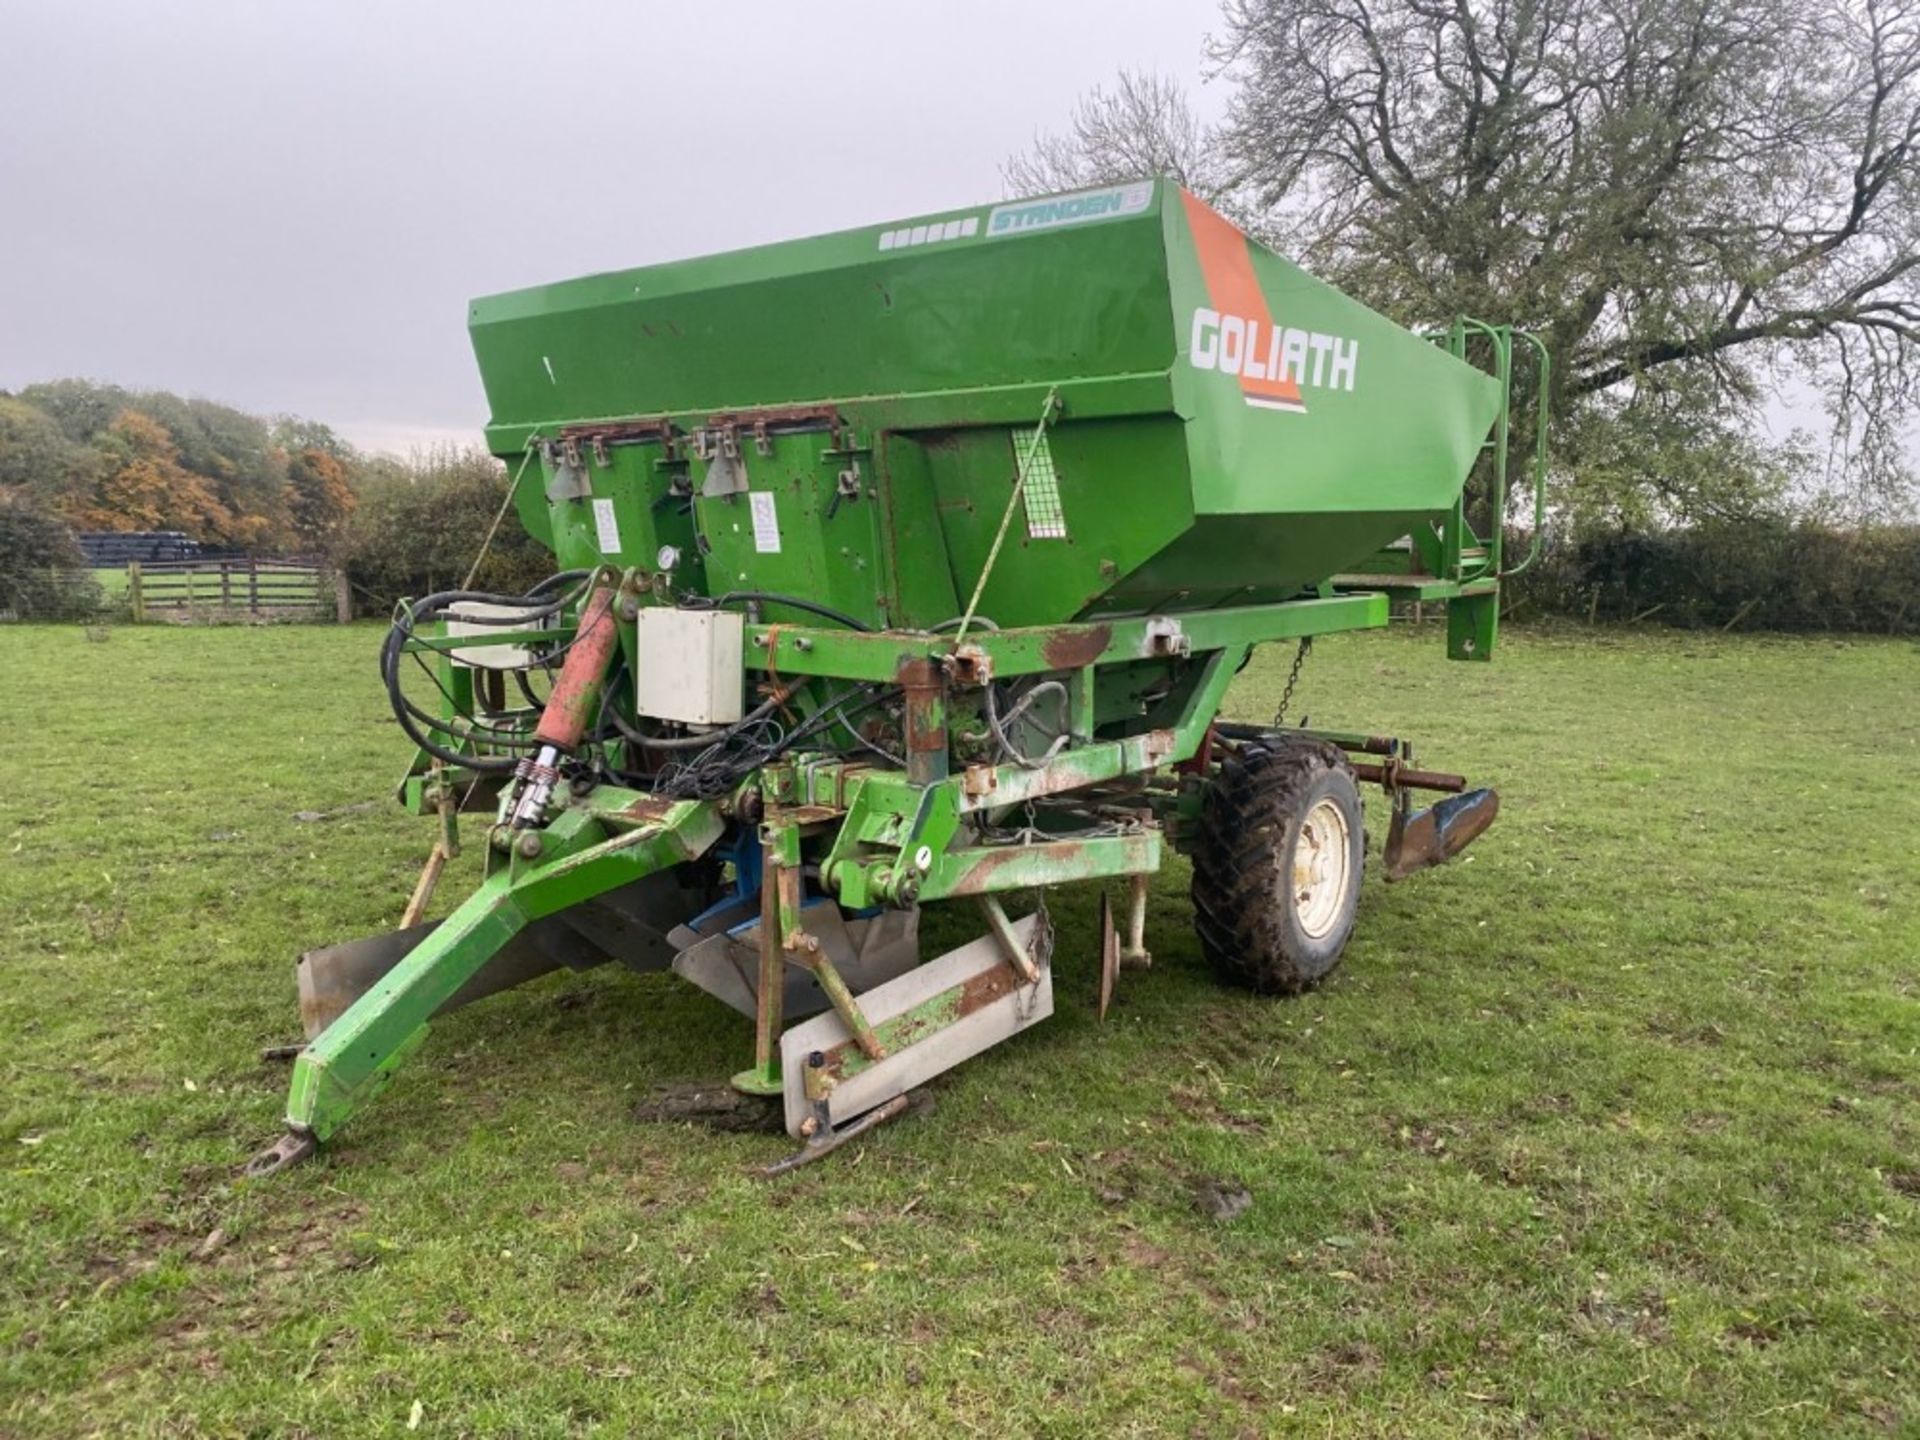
[844, 1003]
[423, 889]
[1002, 927]
[779, 892]
[1134, 955]
[444, 849]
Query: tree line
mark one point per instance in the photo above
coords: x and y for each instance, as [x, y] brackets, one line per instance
[78, 455]
[100, 457]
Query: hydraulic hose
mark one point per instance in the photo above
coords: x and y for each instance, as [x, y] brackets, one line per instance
[692, 742]
[792, 602]
[432, 607]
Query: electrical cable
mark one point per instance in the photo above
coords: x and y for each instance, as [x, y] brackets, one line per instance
[693, 742]
[997, 724]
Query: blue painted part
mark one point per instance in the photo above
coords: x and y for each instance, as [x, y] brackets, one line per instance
[714, 909]
[746, 858]
[743, 853]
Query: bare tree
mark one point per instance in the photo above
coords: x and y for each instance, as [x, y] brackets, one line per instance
[1144, 125]
[1696, 202]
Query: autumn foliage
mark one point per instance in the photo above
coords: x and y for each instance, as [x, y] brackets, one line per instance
[142, 486]
[103, 458]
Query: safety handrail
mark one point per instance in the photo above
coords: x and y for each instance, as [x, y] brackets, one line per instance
[1455, 528]
[1542, 394]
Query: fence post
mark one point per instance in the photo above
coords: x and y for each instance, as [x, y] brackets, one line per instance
[342, 598]
[136, 597]
[253, 586]
[226, 586]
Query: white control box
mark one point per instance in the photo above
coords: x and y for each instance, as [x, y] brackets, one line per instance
[492, 657]
[689, 665]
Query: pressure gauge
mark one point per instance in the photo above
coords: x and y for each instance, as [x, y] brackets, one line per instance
[668, 557]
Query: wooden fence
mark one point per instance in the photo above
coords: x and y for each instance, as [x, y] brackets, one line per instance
[213, 589]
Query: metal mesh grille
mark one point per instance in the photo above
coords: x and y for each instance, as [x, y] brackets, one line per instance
[1045, 519]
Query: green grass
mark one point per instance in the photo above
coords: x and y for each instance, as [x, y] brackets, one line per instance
[1613, 1129]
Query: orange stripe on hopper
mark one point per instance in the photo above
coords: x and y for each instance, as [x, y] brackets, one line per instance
[1227, 266]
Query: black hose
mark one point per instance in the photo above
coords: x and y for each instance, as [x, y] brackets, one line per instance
[405, 711]
[526, 688]
[792, 602]
[390, 672]
[429, 607]
[692, 742]
[556, 579]
[713, 771]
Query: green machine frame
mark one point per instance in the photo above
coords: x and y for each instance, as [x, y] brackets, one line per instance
[908, 810]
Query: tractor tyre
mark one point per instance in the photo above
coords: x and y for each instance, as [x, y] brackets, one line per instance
[1277, 864]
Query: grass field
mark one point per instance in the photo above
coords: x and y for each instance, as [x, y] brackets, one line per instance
[1614, 1129]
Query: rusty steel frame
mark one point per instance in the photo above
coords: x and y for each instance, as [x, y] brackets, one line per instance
[879, 835]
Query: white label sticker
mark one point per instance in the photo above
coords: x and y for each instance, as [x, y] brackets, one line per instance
[766, 524]
[607, 526]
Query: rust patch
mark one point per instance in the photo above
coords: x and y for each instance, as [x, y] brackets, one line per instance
[783, 419]
[920, 678]
[970, 666]
[569, 703]
[988, 986]
[649, 808]
[975, 994]
[651, 427]
[981, 872]
[1076, 648]
[1394, 775]
[804, 814]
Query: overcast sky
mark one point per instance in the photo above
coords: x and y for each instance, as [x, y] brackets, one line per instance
[286, 204]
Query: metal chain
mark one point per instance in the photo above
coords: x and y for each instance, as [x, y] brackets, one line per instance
[1293, 679]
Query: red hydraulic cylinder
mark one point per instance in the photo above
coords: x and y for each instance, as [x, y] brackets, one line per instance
[576, 694]
[569, 710]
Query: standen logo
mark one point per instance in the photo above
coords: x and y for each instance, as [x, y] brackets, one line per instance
[1022, 217]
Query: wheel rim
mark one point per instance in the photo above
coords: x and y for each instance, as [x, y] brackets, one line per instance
[1322, 869]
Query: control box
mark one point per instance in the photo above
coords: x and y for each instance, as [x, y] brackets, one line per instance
[688, 665]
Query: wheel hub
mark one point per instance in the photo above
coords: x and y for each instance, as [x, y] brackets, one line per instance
[1322, 869]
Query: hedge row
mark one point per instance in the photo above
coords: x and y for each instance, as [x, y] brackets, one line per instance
[1750, 575]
